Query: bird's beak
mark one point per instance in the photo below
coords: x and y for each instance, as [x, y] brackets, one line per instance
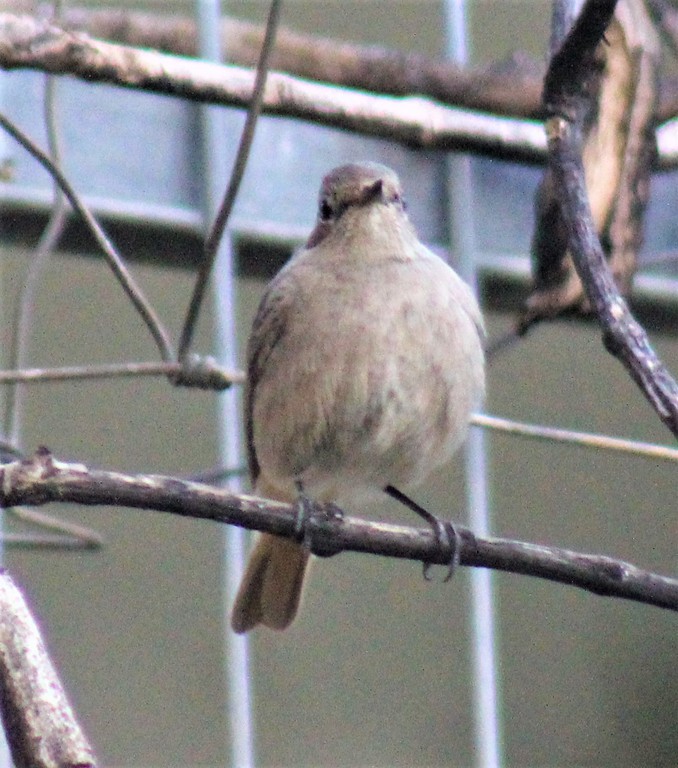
[372, 192]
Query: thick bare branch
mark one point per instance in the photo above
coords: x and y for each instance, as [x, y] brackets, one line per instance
[618, 152]
[41, 728]
[412, 120]
[511, 88]
[43, 479]
[571, 69]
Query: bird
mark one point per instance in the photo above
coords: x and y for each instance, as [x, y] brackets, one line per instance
[364, 364]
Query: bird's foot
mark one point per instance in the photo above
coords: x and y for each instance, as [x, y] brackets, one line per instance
[310, 535]
[445, 532]
[303, 512]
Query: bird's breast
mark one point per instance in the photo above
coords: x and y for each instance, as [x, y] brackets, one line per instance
[372, 384]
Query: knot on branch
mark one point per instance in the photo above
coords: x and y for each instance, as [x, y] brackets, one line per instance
[21, 480]
[321, 530]
[205, 373]
[10, 453]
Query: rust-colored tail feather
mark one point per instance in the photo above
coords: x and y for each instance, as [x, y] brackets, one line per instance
[270, 591]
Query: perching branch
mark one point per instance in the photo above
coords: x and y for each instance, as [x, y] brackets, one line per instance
[39, 723]
[570, 71]
[43, 479]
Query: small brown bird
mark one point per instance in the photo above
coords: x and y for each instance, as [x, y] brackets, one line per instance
[364, 364]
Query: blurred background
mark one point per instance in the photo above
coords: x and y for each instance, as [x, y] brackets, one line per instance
[377, 669]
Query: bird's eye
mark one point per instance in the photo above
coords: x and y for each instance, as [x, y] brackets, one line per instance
[400, 200]
[325, 211]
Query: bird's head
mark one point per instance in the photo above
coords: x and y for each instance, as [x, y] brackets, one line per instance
[356, 190]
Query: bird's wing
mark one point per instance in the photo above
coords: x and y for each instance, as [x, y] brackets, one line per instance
[268, 329]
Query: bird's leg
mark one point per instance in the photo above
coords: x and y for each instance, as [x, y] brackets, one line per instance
[303, 512]
[445, 532]
[306, 509]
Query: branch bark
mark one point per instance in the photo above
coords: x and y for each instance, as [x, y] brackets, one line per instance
[510, 88]
[565, 98]
[43, 479]
[618, 152]
[41, 728]
[415, 121]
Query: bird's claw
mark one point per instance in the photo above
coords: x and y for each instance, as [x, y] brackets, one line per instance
[449, 540]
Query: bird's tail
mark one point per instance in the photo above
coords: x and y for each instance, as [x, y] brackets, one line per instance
[270, 590]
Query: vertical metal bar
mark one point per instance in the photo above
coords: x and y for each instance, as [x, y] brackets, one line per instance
[462, 244]
[237, 647]
[224, 296]
[5, 166]
[5, 756]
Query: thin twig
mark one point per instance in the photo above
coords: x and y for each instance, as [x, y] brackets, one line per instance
[502, 343]
[25, 302]
[207, 374]
[74, 536]
[128, 283]
[47, 542]
[217, 230]
[565, 85]
[228, 378]
[43, 479]
[86, 538]
[514, 429]
[584, 439]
